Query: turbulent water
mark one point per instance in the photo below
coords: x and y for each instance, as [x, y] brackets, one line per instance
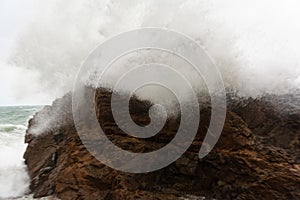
[14, 180]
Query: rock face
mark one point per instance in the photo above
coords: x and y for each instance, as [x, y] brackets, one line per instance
[257, 156]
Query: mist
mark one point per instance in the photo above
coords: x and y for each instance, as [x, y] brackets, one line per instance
[255, 44]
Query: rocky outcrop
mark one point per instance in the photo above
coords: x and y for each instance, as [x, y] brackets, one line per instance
[257, 156]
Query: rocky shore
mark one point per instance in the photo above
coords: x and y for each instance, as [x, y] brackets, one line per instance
[256, 157]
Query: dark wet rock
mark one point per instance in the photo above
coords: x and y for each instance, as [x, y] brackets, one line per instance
[257, 156]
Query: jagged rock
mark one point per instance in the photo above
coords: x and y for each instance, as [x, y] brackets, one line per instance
[257, 156]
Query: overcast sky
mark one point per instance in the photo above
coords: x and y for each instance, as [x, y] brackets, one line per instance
[14, 15]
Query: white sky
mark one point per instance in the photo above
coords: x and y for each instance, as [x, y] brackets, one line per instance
[14, 15]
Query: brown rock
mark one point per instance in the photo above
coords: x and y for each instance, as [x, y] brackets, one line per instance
[257, 157]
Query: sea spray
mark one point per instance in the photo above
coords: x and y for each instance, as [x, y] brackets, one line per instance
[254, 43]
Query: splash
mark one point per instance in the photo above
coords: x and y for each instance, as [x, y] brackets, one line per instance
[254, 43]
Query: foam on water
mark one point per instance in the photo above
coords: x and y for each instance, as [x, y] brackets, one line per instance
[14, 180]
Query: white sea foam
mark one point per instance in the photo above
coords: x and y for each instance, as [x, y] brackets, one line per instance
[14, 179]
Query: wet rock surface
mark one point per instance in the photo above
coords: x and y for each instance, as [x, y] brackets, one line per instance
[256, 157]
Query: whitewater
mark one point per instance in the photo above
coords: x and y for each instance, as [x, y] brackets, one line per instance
[14, 179]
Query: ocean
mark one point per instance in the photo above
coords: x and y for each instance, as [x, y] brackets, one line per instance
[14, 180]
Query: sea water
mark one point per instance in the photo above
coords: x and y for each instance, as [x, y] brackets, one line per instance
[14, 179]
